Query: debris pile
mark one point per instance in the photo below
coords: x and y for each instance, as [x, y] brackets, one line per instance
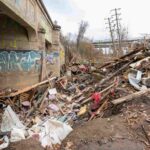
[84, 93]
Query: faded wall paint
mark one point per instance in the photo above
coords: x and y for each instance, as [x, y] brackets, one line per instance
[14, 36]
[53, 57]
[62, 56]
[53, 62]
[11, 33]
[20, 61]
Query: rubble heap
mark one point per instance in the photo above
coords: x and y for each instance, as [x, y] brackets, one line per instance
[83, 94]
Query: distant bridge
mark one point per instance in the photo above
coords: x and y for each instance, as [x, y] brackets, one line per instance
[108, 44]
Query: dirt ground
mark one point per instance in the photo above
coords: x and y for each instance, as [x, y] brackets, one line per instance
[121, 131]
[103, 134]
[29, 144]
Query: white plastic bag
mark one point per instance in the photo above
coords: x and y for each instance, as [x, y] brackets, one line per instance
[11, 123]
[10, 120]
[6, 142]
[17, 135]
[51, 132]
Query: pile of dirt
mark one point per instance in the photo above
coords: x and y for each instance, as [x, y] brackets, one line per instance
[103, 134]
[30, 144]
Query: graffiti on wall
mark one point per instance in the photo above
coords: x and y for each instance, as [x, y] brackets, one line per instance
[53, 57]
[20, 61]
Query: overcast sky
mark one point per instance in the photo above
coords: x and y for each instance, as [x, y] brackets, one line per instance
[135, 15]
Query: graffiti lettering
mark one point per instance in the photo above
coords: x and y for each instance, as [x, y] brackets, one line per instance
[53, 57]
[19, 61]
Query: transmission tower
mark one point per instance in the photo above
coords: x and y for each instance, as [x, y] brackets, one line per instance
[111, 30]
[117, 19]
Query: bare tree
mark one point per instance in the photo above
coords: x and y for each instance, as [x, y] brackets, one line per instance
[123, 33]
[123, 38]
[82, 29]
[69, 45]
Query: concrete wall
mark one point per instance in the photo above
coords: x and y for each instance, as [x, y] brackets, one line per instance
[30, 14]
[55, 53]
[26, 35]
[14, 36]
[53, 62]
[22, 10]
[19, 68]
[43, 23]
[62, 55]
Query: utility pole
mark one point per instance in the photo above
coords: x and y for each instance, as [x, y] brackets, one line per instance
[117, 19]
[111, 32]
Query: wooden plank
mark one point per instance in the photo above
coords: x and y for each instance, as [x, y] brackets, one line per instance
[28, 88]
[131, 97]
[122, 57]
[38, 102]
[115, 73]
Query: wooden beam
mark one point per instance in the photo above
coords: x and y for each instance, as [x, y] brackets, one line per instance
[131, 97]
[115, 73]
[27, 88]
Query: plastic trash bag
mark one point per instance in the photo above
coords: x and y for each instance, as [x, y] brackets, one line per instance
[6, 142]
[11, 123]
[51, 132]
[135, 79]
[10, 120]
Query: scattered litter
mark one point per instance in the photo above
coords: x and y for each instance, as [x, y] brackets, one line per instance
[52, 91]
[135, 79]
[85, 92]
[53, 107]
